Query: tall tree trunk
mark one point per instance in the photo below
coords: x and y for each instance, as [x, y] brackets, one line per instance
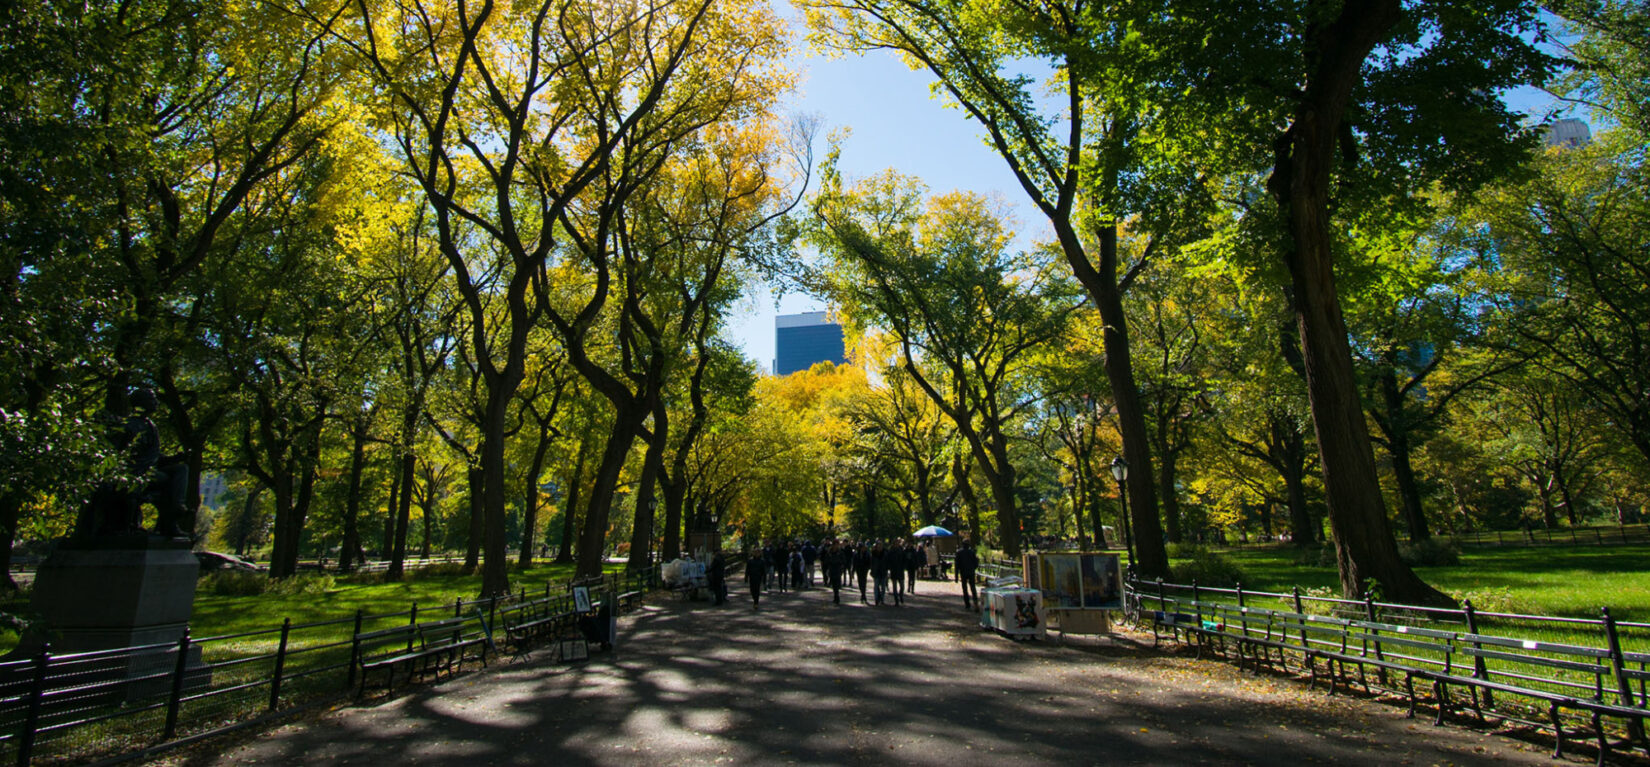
[281, 560]
[476, 480]
[570, 505]
[387, 541]
[1409, 492]
[641, 531]
[426, 506]
[1002, 479]
[1091, 499]
[1101, 283]
[1288, 450]
[352, 500]
[11, 508]
[402, 509]
[925, 503]
[530, 519]
[1364, 546]
[495, 569]
[1171, 500]
[1076, 498]
[593, 539]
[971, 505]
[1396, 429]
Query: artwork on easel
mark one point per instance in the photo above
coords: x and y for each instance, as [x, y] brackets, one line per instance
[574, 649]
[581, 599]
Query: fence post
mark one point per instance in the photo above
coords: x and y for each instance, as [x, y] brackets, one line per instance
[1369, 612]
[458, 607]
[1300, 609]
[354, 649]
[1197, 604]
[280, 665]
[1479, 670]
[492, 609]
[176, 701]
[1635, 727]
[37, 694]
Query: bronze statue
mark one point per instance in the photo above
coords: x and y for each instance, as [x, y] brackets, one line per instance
[115, 509]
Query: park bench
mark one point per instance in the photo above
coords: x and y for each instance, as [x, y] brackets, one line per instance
[530, 624]
[1343, 643]
[420, 648]
[1595, 682]
[1558, 693]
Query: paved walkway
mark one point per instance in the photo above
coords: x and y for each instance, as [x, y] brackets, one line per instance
[805, 682]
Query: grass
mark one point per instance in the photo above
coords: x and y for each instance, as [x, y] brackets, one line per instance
[433, 588]
[1567, 581]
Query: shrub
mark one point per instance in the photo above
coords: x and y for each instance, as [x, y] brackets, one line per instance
[303, 583]
[234, 583]
[1489, 600]
[1208, 569]
[240, 583]
[1321, 555]
[1183, 550]
[1432, 552]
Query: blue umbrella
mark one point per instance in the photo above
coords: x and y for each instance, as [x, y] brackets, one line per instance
[933, 531]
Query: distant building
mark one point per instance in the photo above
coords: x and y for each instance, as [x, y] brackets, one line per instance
[213, 486]
[1569, 132]
[802, 340]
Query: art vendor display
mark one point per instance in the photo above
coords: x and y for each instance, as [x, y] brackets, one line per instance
[1015, 612]
[1076, 581]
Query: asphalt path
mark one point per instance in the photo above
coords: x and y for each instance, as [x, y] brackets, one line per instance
[803, 681]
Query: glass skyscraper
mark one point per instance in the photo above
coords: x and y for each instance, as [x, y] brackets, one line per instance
[802, 340]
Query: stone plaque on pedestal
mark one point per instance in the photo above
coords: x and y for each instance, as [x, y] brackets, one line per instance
[98, 598]
[136, 592]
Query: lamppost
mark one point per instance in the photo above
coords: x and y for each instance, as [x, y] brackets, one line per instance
[1120, 472]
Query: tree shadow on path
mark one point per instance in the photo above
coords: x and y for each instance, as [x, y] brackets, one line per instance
[803, 681]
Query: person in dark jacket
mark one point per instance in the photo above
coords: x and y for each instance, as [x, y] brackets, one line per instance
[796, 568]
[834, 561]
[777, 557]
[756, 568]
[914, 560]
[809, 555]
[895, 558]
[717, 577]
[967, 563]
[862, 567]
[879, 571]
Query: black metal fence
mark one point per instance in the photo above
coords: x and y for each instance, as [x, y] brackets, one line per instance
[1541, 666]
[86, 705]
[1611, 535]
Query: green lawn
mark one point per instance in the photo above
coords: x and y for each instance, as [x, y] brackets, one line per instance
[436, 589]
[1571, 581]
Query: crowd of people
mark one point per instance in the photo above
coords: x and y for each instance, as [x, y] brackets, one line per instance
[884, 572]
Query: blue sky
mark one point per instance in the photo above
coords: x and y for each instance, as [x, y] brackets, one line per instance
[894, 124]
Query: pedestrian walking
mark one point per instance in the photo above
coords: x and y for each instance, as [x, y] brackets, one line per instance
[879, 571]
[913, 563]
[862, 567]
[896, 574]
[717, 577]
[967, 563]
[756, 567]
[835, 561]
[810, 554]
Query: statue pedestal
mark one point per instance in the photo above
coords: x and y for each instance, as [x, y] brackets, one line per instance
[134, 592]
[102, 598]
